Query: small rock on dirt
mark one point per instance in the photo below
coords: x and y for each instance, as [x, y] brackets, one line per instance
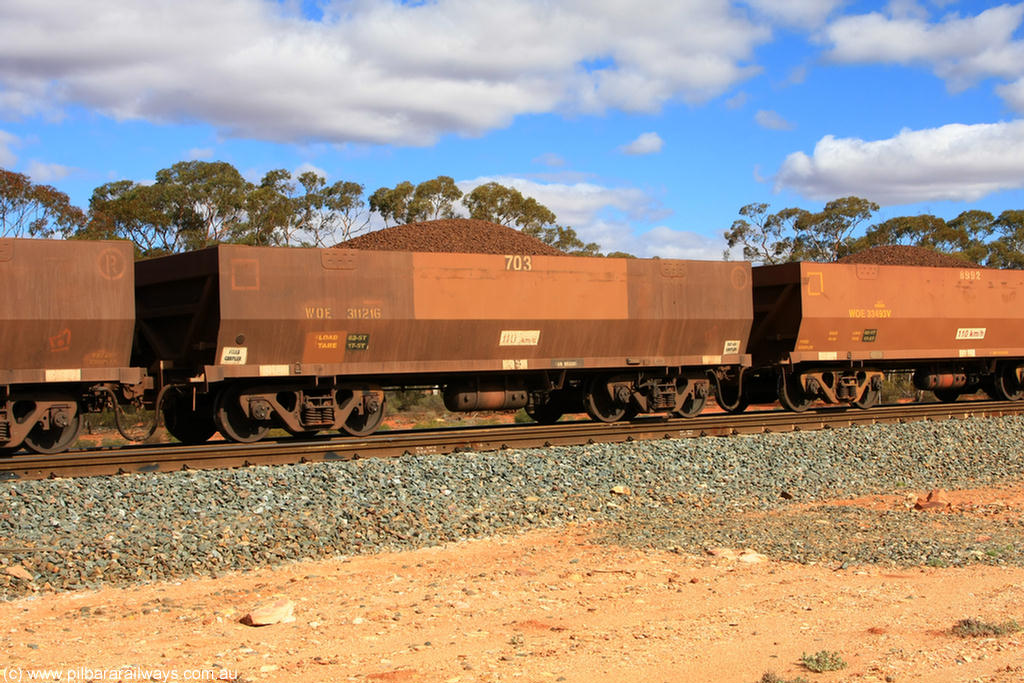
[280, 611]
[19, 572]
[937, 499]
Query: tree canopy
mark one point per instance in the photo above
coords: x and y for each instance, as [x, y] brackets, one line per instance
[975, 236]
[194, 204]
[31, 210]
[794, 234]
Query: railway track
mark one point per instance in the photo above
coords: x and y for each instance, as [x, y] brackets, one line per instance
[171, 457]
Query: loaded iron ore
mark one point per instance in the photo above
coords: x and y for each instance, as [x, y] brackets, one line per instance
[454, 235]
[904, 255]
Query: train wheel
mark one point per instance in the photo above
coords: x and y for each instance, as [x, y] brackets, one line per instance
[187, 425]
[232, 421]
[364, 424]
[692, 405]
[1006, 386]
[56, 439]
[870, 399]
[791, 394]
[599, 405]
[946, 395]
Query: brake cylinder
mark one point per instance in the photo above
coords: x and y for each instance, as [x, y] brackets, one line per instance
[485, 395]
[930, 381]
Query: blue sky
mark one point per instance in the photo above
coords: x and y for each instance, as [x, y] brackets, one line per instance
[644, 125]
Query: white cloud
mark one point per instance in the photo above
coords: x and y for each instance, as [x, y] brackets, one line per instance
[197, 153]
[7, 155]
[1013, 93]
[737, 101]
[954, 162]
[961, 50]
[772, 120]
[906, 8]
[608, 216]
[373, 72]
[646, 143]
[597, 213]
[802, 13]
[797, 75]
[682, 244]
[550, 159]
[304, 167]
[41, 172]
[564, 177]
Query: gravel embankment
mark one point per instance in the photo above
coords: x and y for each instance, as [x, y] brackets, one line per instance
[688, 494]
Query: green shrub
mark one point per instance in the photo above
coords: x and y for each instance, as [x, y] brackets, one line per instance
[413, 401]
[899, 386]
[975, 628]
[772, 677]
[823, 660]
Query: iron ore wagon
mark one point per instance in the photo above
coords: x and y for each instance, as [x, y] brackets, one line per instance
[66, 323]
[830, 331]
[308, 339]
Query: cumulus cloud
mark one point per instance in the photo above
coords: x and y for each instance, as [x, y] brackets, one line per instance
[1013, 93]
[797, 75]
[646, 143]
[799, 13]
[737, 101]
[609, 216]
[961, 50]
[41, 172]
[954, 162]
[197, 153]
[597, 213]
[683, 244]
[7, 155]
[371, 72]
[772, 120]
[306, 166]
[550, 159]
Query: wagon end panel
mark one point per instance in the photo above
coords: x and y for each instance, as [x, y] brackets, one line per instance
[178, 307]
[778, 312]
[66, 310]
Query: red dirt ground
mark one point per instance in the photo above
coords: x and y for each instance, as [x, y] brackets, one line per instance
[541, 606]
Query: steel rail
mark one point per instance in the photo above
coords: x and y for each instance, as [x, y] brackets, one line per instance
[221, 454]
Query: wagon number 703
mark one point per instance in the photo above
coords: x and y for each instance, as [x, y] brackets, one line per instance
[518, 262]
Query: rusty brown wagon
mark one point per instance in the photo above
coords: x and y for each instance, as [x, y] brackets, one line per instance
[308, 339]
[66, 323]
[830, 331]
